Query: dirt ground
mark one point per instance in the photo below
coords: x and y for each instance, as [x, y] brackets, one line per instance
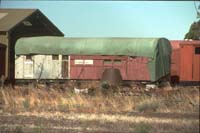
[34, 122]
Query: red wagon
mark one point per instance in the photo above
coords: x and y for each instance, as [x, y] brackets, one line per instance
[185, 61]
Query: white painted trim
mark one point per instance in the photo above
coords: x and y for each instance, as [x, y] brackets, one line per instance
[28, 62]
[78, 62]
[28, 76]
[88, 62]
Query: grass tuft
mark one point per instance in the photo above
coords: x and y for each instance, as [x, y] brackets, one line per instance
[148, 105]
[142, 128]
[26, 104]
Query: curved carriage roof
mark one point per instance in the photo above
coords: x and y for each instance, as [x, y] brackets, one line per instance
[90, 46]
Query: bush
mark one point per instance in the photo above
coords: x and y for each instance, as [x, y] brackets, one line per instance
[105, 85]
[148, 106]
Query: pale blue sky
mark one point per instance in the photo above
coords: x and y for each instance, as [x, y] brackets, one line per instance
[168, 19]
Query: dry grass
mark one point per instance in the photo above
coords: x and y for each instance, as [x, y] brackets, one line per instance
[41, 99]
[62, 98]
[58, 109]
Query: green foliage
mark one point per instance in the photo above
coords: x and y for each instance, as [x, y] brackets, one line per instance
[26, 104]
[105, 85]
[142, 128]
[18, 129]
[194, 32]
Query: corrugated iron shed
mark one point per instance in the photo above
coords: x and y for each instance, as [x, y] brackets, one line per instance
[17, 23]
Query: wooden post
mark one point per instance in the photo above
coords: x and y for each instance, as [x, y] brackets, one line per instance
[2, 91]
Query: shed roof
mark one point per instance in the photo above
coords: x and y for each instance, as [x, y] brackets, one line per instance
[11, 17]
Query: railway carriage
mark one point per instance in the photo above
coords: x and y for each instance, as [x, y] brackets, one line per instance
[138, 59]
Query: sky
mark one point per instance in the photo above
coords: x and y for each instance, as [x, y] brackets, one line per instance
[170, 19]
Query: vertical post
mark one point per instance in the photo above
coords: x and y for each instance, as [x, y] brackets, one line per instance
[2, 81]
[2, 91]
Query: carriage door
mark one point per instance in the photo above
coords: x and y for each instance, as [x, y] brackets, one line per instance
[186, 73]
[196, 64]
[65, 67]
[2, 60]
[28, 67]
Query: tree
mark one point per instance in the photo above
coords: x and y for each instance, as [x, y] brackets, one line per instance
[194, 32]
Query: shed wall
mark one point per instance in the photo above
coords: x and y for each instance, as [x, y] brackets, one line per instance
[2, 60]
[4, 41]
